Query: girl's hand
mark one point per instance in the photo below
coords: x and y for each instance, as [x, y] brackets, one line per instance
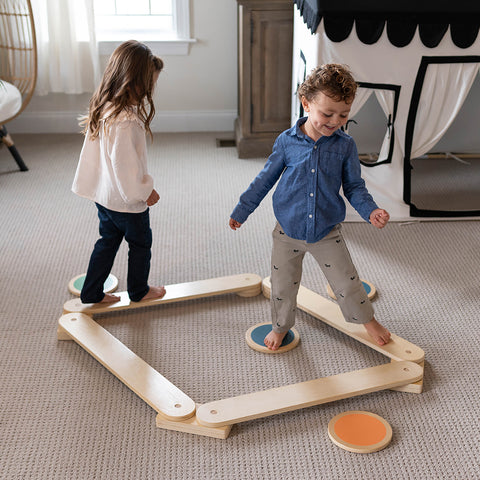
[234, 224]
[379, 218]
[153, 198]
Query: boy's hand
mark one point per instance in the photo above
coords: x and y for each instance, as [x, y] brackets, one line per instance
[153, 198]
[379, 218]
[234, 224]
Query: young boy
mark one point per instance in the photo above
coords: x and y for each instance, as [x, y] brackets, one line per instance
[313, 160]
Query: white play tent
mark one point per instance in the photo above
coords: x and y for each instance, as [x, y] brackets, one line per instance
[419, 58]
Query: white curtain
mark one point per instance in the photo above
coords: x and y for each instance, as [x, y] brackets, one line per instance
[68, 59]
[444, 90]
[386, 99]
[360, 98]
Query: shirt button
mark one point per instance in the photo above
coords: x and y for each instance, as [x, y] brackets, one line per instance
[310, 216]
[315, 147]
[313, 170]
[311, 194]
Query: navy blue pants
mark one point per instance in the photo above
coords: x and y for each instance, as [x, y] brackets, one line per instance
[114, 227]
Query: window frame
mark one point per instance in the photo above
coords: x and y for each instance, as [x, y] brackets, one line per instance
[177, 44]
[410, 132]
[390, 121]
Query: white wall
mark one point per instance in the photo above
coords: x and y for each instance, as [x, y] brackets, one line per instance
[198, 92]
[195, 92]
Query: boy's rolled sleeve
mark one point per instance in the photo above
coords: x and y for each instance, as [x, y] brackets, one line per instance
[261, 185]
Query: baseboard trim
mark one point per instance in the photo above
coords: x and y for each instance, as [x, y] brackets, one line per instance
[183, 121]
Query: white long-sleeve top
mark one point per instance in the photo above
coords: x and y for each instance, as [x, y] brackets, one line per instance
[112, 169]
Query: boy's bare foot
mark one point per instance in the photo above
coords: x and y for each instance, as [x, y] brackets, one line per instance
[273, 340]
[154, 292]
[109, 298]
[377, 331]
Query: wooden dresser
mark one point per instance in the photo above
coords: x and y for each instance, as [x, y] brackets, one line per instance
[265, 45]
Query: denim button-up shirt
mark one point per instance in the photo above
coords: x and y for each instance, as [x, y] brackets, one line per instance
[307, 201]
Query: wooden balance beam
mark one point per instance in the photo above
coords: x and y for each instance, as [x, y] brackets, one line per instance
[245, 285]
[329, 312]
[135, 373]
[307, 394]
[171, 404]
[397, 349]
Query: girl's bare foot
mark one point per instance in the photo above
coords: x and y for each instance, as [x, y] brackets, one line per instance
[378, 332]
[154, 292]
[273, 340]
[109, 298]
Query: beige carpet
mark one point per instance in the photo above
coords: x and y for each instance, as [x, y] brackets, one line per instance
[64, 416]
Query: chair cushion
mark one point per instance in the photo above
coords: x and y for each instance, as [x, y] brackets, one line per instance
[10, 100]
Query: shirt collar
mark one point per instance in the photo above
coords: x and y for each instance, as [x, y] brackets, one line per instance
[296, 131]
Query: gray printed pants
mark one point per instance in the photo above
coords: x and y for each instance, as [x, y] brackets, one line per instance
[332, 255]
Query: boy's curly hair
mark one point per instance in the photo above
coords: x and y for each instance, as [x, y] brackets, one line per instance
[332, 79]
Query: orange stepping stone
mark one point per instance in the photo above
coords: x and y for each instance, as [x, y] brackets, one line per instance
[360, 432]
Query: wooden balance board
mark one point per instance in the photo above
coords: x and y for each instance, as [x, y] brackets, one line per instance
[173, 405]
[245, 285]
[146, 382]
[175, 410]
[329, 312]
[307, 394]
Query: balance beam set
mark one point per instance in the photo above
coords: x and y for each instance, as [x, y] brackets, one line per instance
[177, 411]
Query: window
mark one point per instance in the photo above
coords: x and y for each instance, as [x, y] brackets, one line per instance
[164, 24]
[387, 96]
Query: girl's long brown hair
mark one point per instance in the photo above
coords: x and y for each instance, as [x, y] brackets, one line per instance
[128, 81]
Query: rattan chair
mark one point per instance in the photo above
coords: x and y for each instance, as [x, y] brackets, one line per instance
[18, 65]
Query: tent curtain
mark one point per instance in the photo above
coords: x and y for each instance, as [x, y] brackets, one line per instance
[68, 60]
[444, 90]
[386, 99]
[360, 99]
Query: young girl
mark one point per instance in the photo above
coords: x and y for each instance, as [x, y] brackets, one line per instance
[311, 161]
[112, 170]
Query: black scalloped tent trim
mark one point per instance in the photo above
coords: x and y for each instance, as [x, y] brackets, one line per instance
[340, 19]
